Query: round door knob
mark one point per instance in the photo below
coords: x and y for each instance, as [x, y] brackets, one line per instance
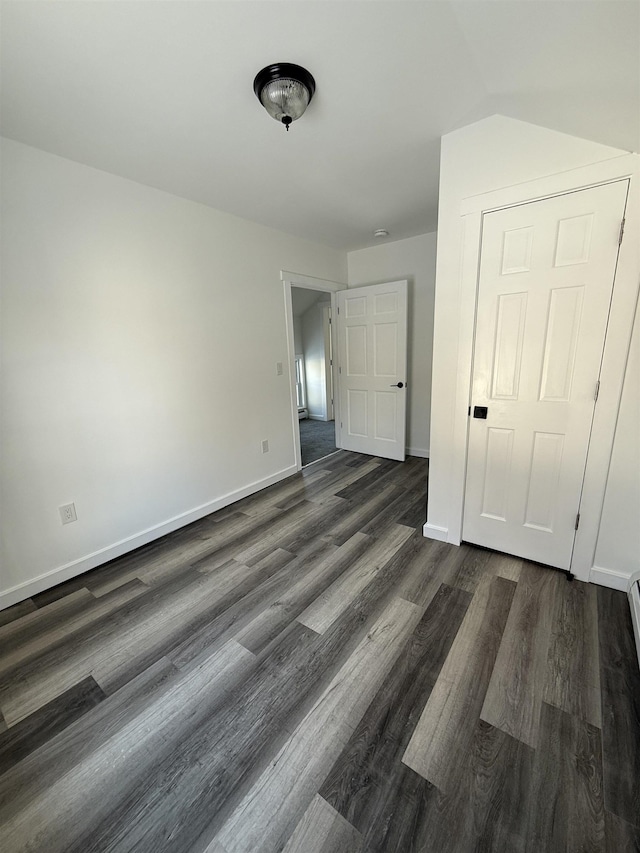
[397, 385]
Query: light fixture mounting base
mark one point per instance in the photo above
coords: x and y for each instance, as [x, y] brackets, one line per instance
[280, 70]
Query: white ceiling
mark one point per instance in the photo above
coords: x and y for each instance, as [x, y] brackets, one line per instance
[161, 92]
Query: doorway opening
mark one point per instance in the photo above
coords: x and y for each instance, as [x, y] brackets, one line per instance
[313, 372]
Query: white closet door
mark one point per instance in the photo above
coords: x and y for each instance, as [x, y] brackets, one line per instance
[545, 285]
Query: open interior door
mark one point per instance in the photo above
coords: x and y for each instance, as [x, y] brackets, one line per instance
[372, 368]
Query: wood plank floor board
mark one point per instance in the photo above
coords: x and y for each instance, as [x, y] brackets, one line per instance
[100, 781]
[372, 758]
[486, 810]
[248, 537]
[251, 602]
[369, 484]
[415, 510]
[212, 763]
[620, 680]
[394, 510]
[443, 737]
[291, 521]
[27, 735]
[35, 622]
[52, 632]
[291, 490]
[340, 476]
[258, 712]
[321, 523]
[216, 544]
[220, 607]
[470, 568]
[572, 679]
[201, 716]
[58, 757]
[269, 812]
[322, 830]
[514, 697]
[16, 611]
[291, 691]
[356, 520]
[479, 563]
[621, 837]
[56, 593]
[118, 646]
[305, 589]
[161, 558]
[567, 803]
[425, 565]
[331, 603]
[489, 806]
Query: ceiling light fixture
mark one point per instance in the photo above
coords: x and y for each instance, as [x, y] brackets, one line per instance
[379, 233]
[284, 90]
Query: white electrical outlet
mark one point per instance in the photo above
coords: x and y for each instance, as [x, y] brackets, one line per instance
[278, 368]
[68, 513]
[265, 446]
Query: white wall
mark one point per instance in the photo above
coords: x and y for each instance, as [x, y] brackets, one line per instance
[314, 360]
[618, 546]
[494, 153]
[139, 342]
[415, 260]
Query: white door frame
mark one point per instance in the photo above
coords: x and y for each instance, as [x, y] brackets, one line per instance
[327, 332]
[616, 348]
[308, 282]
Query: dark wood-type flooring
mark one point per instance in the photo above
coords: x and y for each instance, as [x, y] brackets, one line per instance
[303, 671]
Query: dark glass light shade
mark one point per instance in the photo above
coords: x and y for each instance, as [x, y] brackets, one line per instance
[284, 90]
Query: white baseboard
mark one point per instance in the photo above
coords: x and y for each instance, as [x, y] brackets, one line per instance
[610, 578]
[103, 555]
[317, 418]
[634, 604]
[417, 451]
[432, 531]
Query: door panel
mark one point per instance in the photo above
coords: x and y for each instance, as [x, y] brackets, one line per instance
[545, 285]
[372, 342]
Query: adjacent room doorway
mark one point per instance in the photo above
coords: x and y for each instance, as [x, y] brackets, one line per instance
[313, 366]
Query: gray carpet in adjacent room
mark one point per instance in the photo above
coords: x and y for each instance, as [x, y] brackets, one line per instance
[317, 439]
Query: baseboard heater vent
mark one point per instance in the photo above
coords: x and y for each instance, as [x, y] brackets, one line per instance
[634, 602]
[302, 414]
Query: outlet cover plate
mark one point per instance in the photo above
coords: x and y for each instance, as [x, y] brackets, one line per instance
[68, 513]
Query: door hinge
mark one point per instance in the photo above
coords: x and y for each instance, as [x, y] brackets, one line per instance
[595, 396]
[338, 309]
[621, 232]
[340, 370]
[577, 521]
[469, 412]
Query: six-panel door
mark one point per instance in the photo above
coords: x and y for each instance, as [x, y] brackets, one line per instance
[545, 285]
[372, 345]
